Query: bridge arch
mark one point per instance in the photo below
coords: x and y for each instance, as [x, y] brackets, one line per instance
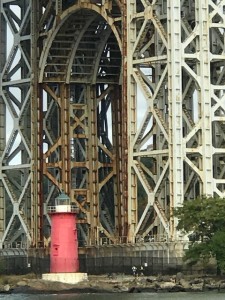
[79, 21]
[80, 73]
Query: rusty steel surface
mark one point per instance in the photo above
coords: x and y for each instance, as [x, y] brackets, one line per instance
[118, 103]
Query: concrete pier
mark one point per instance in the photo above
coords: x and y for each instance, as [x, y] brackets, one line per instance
[70, 278]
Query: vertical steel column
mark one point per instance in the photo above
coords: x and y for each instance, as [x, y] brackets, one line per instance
[175, 110]
[3, 37]
[125, 212]
[58, 7]
[65, 139]
[130, 98]
[204, 94]
[216, 23]
[93, 181]
[2, 123]
[117, 138]
[36, 137]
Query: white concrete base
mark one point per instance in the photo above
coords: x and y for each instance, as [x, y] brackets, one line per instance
[70, 278]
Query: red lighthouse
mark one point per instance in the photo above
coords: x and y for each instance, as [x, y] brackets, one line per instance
[64, 244]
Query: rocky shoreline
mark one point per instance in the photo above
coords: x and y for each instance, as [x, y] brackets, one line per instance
[115, 283]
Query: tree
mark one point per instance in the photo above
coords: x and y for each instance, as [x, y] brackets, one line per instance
[204, 220]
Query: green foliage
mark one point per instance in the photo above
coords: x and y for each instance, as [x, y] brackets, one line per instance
[218, 248]
[197, 252]
[204, 220]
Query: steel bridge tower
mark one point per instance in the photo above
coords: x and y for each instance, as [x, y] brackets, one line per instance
[120, 103]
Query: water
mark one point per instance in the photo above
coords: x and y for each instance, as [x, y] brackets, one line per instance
[120, 296]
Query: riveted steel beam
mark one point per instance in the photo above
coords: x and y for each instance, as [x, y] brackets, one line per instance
[119, 103]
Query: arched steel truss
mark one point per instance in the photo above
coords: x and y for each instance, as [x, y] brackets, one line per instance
[119, 103]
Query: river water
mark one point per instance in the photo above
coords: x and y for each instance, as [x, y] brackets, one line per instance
[120, 296]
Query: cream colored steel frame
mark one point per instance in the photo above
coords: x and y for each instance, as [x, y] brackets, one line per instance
[16, 213]
[180, 44]
[147, 68]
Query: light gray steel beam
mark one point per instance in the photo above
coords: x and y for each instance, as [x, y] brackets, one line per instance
[2, 122]
[15, 93]
[175, 103]
[178, 64]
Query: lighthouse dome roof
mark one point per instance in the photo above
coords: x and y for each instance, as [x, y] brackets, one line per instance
[63, 198]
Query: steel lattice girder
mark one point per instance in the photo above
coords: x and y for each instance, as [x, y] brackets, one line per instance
[175, 63]
[16, 206]
[80, 73]
[127, 113]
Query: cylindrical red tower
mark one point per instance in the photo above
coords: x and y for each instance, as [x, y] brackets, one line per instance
[64, 244]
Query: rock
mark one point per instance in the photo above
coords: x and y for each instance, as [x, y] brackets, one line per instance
[185, 284]
[166, 278]
[112, 276]
[149, 288]
[178, 288]
[116, 286]
[211, 286]
[221, 286]
[151, 279]
[141, 280]
[179, 276]
[134, 290]
[123, 288]
[122, 283]
[22, 290]
[197, 281]
[22, 283]
[207, 280]
[173, 278]
[198, 287]
[167, 285]
[6, 287]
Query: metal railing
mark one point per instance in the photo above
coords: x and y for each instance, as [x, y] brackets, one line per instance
[62, 208]
[14, 245]
[123, 240]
